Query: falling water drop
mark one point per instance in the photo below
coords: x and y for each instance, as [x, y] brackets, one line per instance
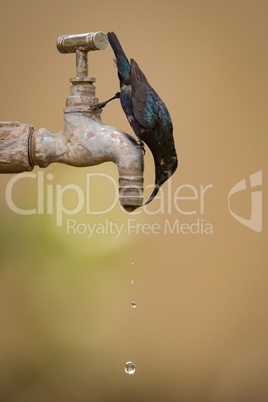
[132, 280]
[130, 368]
[133, 304]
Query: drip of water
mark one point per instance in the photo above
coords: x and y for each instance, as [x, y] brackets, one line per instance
[130, 368]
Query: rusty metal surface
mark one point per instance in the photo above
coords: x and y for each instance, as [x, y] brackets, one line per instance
[14, 138]
[85, 141]
[82, 95]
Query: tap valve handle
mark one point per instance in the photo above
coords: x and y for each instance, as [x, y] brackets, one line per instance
[86, 42]
[81, 44]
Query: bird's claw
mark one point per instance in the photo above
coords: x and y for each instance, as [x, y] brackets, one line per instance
[101, 105]
[98, 106]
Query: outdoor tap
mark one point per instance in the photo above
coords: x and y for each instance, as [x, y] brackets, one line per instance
[84, 140]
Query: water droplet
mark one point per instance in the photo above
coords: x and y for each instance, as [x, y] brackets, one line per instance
[132, 262]
[133, 304]
[130, 368]
[132, 280]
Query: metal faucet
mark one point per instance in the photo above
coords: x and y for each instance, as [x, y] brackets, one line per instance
[84, 140]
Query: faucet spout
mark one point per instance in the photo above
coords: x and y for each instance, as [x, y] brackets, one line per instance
[86, 141]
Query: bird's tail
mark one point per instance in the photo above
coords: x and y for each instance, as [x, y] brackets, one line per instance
[122, 62]
[115, 44]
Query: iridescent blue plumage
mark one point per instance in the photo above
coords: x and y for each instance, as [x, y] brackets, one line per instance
[123, 67]
[146, 113]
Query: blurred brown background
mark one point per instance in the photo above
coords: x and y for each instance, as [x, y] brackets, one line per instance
[199, 332]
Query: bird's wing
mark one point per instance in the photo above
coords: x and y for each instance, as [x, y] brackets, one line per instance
[140, 93]
[148, 108]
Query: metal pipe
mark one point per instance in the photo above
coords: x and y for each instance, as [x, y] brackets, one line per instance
[84, 141]
[81, 63]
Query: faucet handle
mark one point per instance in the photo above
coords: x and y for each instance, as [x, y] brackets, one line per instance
[81, 44]
[85, 42]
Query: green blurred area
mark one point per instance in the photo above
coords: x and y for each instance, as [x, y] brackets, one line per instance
[61, 296]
